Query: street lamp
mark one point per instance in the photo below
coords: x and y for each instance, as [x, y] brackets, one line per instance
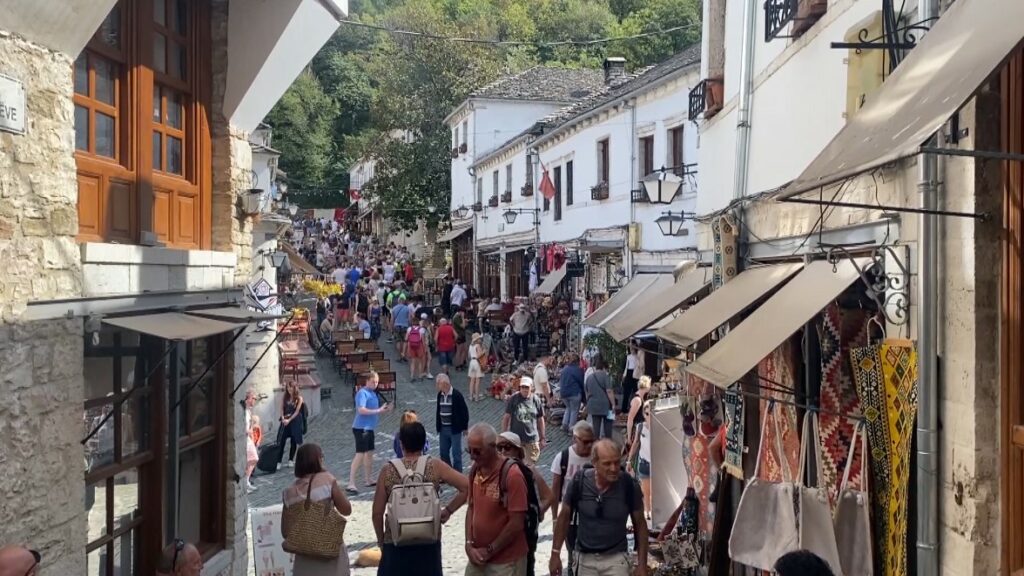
[671, 223]
[293, 208]
[277, 258]
[461, 212]
[662, 186]
[511, 214]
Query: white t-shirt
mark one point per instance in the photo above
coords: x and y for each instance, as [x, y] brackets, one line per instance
[339, 276]
[458, 296]
[576, 463]
[645, 441]
[389, 272]
[474, 351]
[540, 378]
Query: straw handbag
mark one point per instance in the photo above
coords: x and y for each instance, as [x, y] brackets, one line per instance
[315, 528]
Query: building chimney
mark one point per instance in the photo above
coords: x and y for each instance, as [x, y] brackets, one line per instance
[614, 70]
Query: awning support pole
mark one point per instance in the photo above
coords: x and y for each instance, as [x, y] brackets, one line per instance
[979, 154]
[173, 447]
[265, 350]
[887, 208]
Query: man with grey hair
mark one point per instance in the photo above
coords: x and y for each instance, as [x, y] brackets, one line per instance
[452, 418]
[496, 543]
[598, 502]
[570, 461]
[180, 558]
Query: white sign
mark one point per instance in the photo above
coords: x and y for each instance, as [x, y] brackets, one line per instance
[268, 556]
[12, 105]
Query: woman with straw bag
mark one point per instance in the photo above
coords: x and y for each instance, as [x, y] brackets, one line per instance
[312, 524]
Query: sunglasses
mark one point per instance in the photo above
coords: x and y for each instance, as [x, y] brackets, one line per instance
[179, 545]
[478, 451]
[506, 447]
[584, 442]
[36, 559]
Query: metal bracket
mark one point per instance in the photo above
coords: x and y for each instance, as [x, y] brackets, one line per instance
[889, 290]
[886, 208]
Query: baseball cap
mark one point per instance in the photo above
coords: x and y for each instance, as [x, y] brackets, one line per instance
[526, 382]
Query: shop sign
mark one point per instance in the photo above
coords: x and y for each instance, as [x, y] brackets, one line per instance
[12, 105]
[575, 268]
[269, 557]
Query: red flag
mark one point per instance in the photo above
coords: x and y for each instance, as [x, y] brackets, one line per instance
[546, 187]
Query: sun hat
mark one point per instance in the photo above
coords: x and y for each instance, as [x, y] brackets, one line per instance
[513, 439]
[477, 336]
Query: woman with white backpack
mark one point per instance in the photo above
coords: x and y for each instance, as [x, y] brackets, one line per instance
[408, 489]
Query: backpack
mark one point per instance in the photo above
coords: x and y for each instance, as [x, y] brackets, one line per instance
[414, 507]
[533, 514]
[577, 494]
[414, 338]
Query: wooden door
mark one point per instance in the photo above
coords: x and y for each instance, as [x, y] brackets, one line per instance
[1012, 369]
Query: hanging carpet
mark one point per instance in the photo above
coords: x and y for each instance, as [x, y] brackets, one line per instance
[777, 370]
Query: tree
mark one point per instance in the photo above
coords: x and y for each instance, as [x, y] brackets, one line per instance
[303, 122]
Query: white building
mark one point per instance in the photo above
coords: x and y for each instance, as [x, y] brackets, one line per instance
[125, 175]
[843, 127]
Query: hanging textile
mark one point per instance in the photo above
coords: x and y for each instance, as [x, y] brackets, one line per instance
[696, 452]
[533, 276]
[839, 330]
[886, 378]
[778, 369]
[733, 462]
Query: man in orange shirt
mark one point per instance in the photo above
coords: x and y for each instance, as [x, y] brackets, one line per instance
[495, 520]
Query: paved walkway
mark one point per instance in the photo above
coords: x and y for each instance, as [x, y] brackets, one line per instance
[332, 430]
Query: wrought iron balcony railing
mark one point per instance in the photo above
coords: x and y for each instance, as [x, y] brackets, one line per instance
[526, 190]
[493, 201]
[638, 195]
[506, 196]
[599, 192]
[706, 98]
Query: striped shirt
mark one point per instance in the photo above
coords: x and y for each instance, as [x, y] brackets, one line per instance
[446, 409]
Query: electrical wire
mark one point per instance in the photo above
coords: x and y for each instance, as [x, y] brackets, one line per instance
[539, 44]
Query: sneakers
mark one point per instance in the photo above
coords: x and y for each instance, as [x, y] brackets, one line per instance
[291, 464]
[250, 488]
[278, 467]
[429, 376]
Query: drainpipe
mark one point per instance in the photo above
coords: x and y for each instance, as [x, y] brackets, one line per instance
[628, 264]
[742, 169]
[927, 458]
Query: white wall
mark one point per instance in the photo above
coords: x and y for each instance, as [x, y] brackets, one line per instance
[491, 224]
[799, 103]
[657, 110]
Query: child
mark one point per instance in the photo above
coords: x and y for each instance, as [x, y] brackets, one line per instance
[408, 417]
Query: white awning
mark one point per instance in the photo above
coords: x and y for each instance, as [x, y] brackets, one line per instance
[455, 232]
[656, 305]
[639, 285]
[551, 281]
[961, 51]
[724, 303]
[173, 326]
[774, 321]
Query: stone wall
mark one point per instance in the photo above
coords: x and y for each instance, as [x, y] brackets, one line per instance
[40, 362]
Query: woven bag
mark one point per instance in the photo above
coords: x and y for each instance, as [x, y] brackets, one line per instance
[316, 529]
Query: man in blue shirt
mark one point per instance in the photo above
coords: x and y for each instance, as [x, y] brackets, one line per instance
[364, 325]
[401, 314]
[368, 410]
[570, 388]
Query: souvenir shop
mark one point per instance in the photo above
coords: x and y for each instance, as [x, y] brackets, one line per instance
[784, 385]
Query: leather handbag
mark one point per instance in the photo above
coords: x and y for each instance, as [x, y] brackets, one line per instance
[853, 514]
[817, 532]
[315, 529]
[765, 526]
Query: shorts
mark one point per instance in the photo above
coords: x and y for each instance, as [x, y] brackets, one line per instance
[364, 440]
[401, 330]
[415, 351]
[445, 358]
[643, 469]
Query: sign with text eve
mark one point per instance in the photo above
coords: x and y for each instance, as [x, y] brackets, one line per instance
[12, 105]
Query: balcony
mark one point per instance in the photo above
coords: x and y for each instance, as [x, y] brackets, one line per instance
[506, 196]
[463, 148]
[478, 207]
[801, 13]
[493, 201]
[707, 98]
[455, 152]
[599, 192]
[638, 195]
[526, 190]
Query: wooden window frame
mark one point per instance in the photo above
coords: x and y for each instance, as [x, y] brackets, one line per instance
[558, 192]
[677, 147]
[508, 178]
[568, 183]
[121, 198]
[603, 157]
[646, 156]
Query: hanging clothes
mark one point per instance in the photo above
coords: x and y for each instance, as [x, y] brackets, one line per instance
[533, 276]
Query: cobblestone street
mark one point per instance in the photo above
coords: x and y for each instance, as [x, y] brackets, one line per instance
[332, 431]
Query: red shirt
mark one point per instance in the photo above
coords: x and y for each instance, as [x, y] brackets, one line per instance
[489, 518]
[445, 338]
[409, 276]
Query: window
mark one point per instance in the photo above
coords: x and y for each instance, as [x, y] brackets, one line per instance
[508, 178]
[455, 137]
[675, 149]
[646, 157]
[494, 177]
[529, 171]
[479, 190]
[602, 161]
[465, 133]
[558, 193]
[126, 490]
[142, 170]
[568, 183]
[547, 201]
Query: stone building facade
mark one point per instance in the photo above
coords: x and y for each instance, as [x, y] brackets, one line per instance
[80, 339]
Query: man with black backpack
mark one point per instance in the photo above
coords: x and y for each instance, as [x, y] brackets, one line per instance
[497, 518]
[595, 508]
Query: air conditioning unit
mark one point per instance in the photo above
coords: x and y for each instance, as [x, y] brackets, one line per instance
[635, 239]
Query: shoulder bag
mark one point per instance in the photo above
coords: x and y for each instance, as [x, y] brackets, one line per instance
[817, 532]
[853, 514]
[316, 529]
[765, 526]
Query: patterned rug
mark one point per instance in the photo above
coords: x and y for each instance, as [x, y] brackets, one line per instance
[698, 463]
[733, 463]
[886, 377]
[838, 331]
[778, 367]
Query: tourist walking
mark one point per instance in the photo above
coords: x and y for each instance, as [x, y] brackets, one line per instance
[315, 483]
[521, 323]
[598, 502]
[641, 451]
[496, 543]
[291, 422]
[570, 389]
[568, 462]
[400, 316]
[524, 415]
[475, 371]
[631, 374]
[600, 399]
[510, 446]
[446, 342]
[636, 415]
[368, 411]
[452, 420]
[416, 348]
[401, 560]
[461, 339]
